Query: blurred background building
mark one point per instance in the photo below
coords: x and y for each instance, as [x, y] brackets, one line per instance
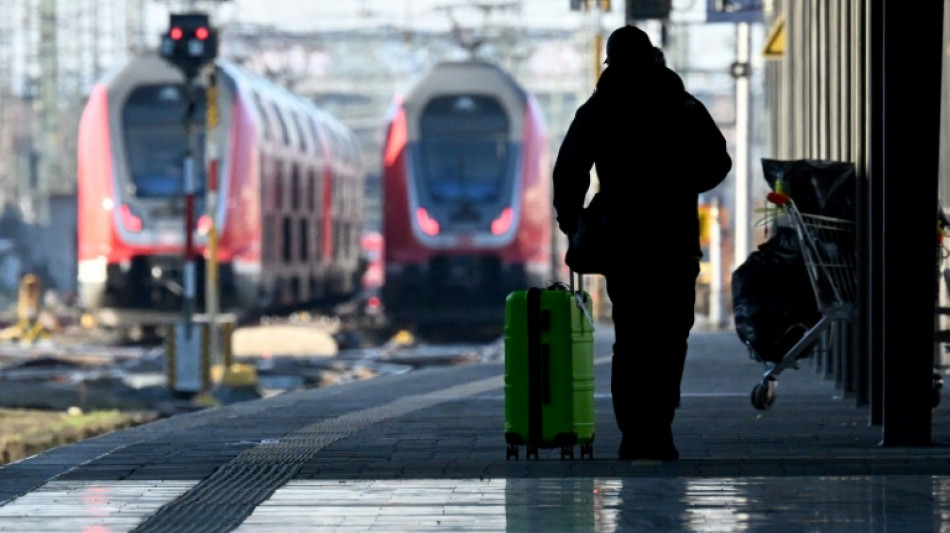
[351, 58]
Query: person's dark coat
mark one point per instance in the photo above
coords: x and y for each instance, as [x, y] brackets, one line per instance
[629, 129]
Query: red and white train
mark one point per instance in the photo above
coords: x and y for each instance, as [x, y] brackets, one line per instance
[289, 213]
[466, 198]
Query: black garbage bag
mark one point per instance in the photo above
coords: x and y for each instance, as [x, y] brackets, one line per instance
[817, 186]
[772, 298]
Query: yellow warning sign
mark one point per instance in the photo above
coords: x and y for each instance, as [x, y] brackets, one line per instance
[775, 42]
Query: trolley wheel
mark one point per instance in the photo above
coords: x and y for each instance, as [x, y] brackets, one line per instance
[511, 452]
[567, 452]
[587, 450]
[531, 450]
[763, 394]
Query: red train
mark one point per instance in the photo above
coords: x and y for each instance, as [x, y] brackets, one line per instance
[466, 199]
[290, 197]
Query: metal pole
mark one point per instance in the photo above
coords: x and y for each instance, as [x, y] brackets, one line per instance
[716, 307]
[598, 287]
[598, 45]
[211, 272]
[46, 107]
[742, 220]
[190, 186]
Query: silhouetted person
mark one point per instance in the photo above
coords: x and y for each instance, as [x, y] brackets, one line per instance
[631, 130]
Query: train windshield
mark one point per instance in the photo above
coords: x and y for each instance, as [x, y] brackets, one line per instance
[464, 148]
[156, 142]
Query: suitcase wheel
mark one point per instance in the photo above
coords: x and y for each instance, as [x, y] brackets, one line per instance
[587, 450]
[531, 450]
[567, 452]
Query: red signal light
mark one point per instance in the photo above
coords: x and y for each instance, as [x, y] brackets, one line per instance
[201, 33]
[176, 33]
[374, 302]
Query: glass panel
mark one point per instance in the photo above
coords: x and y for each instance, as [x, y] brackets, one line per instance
[156, 141]
[284, 132]
[265, 121]
[301, 138]
[464, 148]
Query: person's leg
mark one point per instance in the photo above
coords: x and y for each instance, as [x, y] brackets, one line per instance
[623, 370]
[652, 317]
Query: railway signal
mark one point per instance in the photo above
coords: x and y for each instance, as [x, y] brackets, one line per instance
[190, 42]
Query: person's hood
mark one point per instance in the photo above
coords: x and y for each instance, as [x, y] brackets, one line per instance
[647, 82]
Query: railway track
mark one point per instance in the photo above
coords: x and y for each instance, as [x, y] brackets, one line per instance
[77, 366]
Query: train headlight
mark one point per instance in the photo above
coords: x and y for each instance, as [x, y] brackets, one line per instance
[93, 270]
[502, 223]
[427, 224]
[129, 220]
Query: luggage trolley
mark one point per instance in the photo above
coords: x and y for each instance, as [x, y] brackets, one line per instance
[829, 253]
[941, 336]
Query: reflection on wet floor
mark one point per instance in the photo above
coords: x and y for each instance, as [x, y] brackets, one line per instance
[701, 505]
[787, 504]
[88, 506]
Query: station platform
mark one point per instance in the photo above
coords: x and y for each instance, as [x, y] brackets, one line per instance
[424, 451]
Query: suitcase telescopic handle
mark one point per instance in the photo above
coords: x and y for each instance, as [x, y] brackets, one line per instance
[580, 281]
[580, 296]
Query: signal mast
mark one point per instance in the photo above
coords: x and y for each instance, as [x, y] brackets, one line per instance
[190, 44]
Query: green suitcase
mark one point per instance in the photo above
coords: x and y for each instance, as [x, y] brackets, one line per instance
[549, 370]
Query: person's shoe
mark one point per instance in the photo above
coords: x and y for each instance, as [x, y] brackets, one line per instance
[653, 448]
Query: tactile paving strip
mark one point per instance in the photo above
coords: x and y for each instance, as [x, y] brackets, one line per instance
[223, 500]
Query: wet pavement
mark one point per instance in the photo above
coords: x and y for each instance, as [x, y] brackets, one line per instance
[424, 451]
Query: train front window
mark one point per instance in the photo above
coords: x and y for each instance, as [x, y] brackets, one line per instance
[464, 148]
[156, 140]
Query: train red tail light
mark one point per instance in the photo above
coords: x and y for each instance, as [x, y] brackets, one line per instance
[503, 223]
[129, 220]
[427, 224]
[176, 33]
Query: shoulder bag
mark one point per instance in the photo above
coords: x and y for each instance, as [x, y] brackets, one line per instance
[588, 249]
